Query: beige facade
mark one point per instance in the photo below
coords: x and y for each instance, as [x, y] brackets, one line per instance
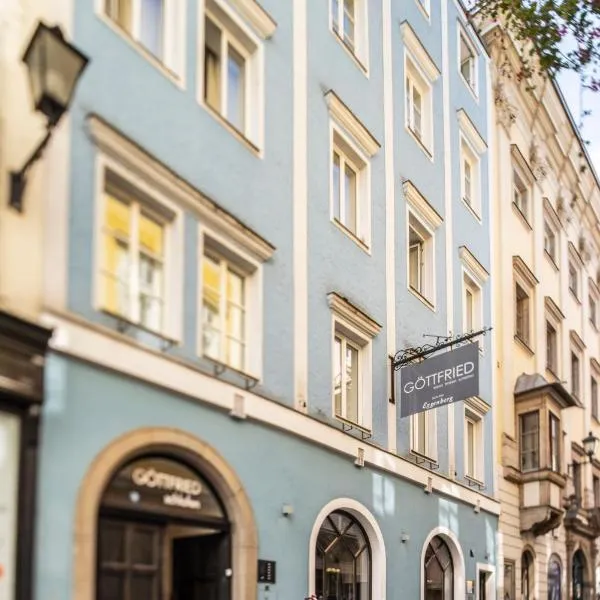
[546, 211]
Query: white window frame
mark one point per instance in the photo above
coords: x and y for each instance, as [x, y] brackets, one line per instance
[171, 326]
[474, 410]
[554, 316]
[351, 139]
[246, 265]
[474, 278]
[173, 36]
[593, 296]
[349, 322]
[577, 348]
[425, 8]
[360, 51]
[472, 148]
[522, 171]
[471, 85]
[239, 19]
[524, 278]
[420, 72]
[575, 263]
[430, 446]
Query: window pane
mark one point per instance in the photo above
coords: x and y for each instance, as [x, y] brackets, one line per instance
[421, 427]
[212, 65]
[470, 448]
[235, 288]
[469, 310]
[336, 187]
[352, 383]
[111, 586]
[350, 198]
[349, 18]
[337, 375]
[416, 123]
[467, 181]
[119, 11]
[144, 586]
[143, 546]
[335, 11]
[116, 256]
[150, 292]
[211, 301]
[151, 25]
[529, 441]
[236, 97]
[235, 354]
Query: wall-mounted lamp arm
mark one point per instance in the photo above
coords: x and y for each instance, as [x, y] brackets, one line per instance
[18, 179]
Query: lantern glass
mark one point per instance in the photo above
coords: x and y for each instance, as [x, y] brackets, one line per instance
[589, 445]
[54, 68]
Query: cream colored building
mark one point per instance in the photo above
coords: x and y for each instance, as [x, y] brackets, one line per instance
[546, 201]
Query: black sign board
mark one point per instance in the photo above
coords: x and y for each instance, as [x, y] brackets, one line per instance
[443, 379]
[266, 571]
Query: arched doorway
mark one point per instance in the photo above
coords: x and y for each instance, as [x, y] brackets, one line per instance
[578, 575]
[439, 570]
[162, 533]
[554, 579]
[527, 575]
[343, 559]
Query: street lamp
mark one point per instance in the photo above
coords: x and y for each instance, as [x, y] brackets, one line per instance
[589, 445]
[54, 67]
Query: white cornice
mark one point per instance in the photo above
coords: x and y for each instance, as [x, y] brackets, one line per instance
[112, 143]
[418, 51]
[523, 164]
[348, 120]
[553, 309]
[521, 267]
[574, 336]
[470, 132]
[353, 315]
[551, 213]
[475, 267]
[477, 405]
[420, 205]
[256, 16]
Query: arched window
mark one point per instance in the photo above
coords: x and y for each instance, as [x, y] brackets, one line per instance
[162, 533]
[343, 561]
[439, 571]
[554, 579]
[527, 575]
[578, 575]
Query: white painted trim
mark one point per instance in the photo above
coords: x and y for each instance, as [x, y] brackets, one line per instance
[470, 131]
[476, 269]
[360, 54]
[376, 542]
[419, 205]
[73, 336]
[419, 52]
[348, 121]
[462, 33]
[490, 584]
[350, 313]
[458, 561]
[300, 202]
[418, 79]
[148, 169]
[255, 15]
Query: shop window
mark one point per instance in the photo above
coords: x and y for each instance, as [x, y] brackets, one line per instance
[554, 579]
[509, 580]
[162, 533]
[439, 571]
[343, 559]
[530, 441]
[527, 575]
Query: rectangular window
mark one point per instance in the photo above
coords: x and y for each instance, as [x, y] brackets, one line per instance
[223, 311]
[345, 192]
[414, 102]
[420, 259]
[551, 347]
[468, 62]
[133, 270]
[343, 18]
[575, 375]
[530, 441]
[593, 311]
[554, 443]
[473, 446]
[522, 314]
[509, 580]
[423, 434]
[520, 194]
[418, 105]
[467, 182]
[346, 379]
[472, 316]
[577, 482]
[550, 241]
[573, 279]
[596, 484]
[594, 396]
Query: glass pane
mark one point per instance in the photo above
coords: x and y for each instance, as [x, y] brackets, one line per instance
[235, 288]
[349, 17]
[151, 236]
[421, 427]
[337, 375]
[467, 182]
[236, 96]
[119, 11]
[363, 573]
[336, 187]
[150, 292]
[350, 198]
[118, 217]
[414, 267]
[335, 11]
[111, 586]
[469, 310]
[416, 124]
[151, 26]
[235, 354]
[112, 543]
[470, 448]
[143, 546]
[116, 270]
[352, 383]
[235, 322]
[212, 65]
[144, 586]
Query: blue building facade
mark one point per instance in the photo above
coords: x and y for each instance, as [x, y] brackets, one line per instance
[263, 204]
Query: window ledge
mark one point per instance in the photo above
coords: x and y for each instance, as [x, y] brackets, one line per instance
[348, 425]
[551, 260]
[419, 459]
[522, 217]
[524, 345]
[473, 212]
[232, 129]
[124, 323]
[156, 62]
[220, 367]
[419, 142]
[357, 61]
[362, 245]
[422, 298]
[474, 482]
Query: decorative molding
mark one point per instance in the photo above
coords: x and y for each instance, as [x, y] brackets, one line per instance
[115, 145]
[520, 266]
[350, 313]
[348, 120]
[552, 214]
[474, 266]
[575, 255]
[574, 337]
[507, 113]
[419, 204]
[256, 16]
[522, 163]
[418, 51]
[593, 286]
[477, 405]
[538, 160]
[553, 309]
[470, 132]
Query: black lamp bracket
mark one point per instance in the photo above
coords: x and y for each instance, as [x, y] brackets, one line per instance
[18, 179]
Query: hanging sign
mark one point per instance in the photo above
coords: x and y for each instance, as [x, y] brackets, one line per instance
[443, 379]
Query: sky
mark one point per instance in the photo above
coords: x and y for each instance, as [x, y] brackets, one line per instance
[581, 100]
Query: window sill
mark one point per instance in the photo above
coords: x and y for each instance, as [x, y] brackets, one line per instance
[524, 345]
[232, 129]
[552, 372]
[221, 367]
[522, 217]
[551, 260]
[362, 245]
[357, 61]
[348, 425]
[474, 482]
[421, 458]
[419, 142]
[156, 62]
[472, 210]
[422, 298]
[124, 323]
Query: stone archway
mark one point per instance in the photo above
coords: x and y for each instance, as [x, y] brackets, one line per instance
[198, 453]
